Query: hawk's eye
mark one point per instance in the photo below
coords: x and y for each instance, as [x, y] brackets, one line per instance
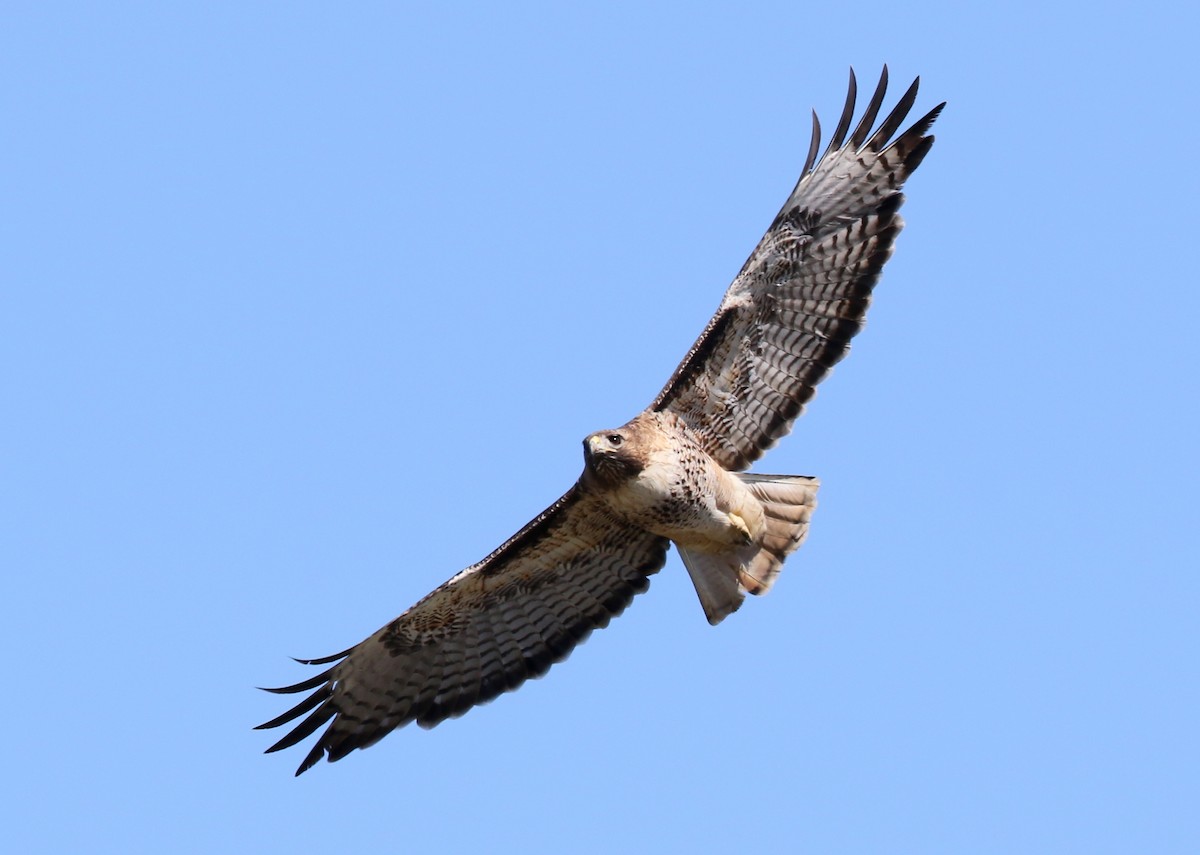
[614, 439]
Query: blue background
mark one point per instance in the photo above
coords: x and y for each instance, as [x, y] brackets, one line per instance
[308, 306]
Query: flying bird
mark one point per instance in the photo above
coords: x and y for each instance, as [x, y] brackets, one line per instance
[673, 474]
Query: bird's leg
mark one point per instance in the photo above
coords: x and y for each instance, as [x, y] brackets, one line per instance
[739, 525]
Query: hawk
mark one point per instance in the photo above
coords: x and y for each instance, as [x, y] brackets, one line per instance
[673, 474]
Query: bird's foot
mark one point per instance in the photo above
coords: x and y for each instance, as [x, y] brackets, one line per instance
[739, 525]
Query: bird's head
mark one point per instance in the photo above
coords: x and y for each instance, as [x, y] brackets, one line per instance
[611, 456]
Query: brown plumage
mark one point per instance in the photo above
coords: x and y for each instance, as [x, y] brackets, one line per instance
[673, 474]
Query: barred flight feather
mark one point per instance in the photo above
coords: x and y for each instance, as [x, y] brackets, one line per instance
[818, 263]
[567, 573]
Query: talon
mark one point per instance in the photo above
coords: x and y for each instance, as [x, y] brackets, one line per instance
[738, 524]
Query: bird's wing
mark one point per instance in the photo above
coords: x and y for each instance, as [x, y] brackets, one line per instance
[487, 630]
[803, 293]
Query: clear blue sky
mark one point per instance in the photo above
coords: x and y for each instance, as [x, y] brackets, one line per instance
[306, 307]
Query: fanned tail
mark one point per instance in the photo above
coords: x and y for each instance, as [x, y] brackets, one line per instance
[788, 502]
[723, 579]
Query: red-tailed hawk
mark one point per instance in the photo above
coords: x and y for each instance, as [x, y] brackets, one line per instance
[671, 475]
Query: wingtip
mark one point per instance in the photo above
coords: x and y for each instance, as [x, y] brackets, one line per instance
[814, 144]
[304, 686]
[863, 130]
[311, 759]
[325, 660]
[843, 125]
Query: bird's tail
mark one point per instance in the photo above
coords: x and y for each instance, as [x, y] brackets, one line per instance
[722, 580]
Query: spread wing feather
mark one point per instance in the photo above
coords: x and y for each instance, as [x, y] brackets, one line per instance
[487, 630]
[803, 293]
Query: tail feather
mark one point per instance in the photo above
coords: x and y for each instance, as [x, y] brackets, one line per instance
[722, 580]
[788, 502]
[716, 579]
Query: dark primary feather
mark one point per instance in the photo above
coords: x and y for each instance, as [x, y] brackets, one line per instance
[803, 293]
[490, 628]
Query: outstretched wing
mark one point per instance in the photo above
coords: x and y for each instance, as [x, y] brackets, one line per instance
[789, 315]
[490, 628]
